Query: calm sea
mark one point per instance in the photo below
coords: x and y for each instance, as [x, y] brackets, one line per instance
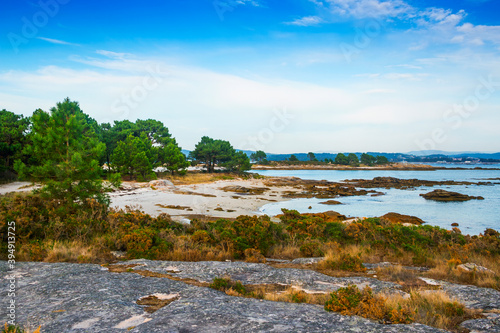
[473, 216]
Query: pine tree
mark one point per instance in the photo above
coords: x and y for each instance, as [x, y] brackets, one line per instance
[64, 155]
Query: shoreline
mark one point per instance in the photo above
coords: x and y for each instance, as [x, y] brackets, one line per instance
[391, 167]
[205, 200]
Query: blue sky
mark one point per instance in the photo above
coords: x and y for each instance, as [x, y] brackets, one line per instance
[281, 76]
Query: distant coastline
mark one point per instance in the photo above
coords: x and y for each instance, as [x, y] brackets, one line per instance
[392, 166]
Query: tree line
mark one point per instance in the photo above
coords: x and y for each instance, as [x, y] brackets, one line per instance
[71, 153]
[350, 159]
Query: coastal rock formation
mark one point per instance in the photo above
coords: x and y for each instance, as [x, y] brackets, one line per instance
[245, 190]
[159, 296]
[391, 182]
[64, 297]
[402, 219]
[331, 202]
[443, 195]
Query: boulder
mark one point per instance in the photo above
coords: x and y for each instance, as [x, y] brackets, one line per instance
[331, 202]
[396, 218]
[443, 195]
[470, 267]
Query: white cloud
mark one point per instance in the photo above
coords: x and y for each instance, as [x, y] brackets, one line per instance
[306, 21]
[369, 8]
[55, 41]
[193, 102]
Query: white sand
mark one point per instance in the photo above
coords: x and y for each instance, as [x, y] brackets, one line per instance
[149, 196]
[149, 199]
[16, 187]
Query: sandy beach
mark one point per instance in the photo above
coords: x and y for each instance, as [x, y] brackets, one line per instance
[210, 199]
[185, 201]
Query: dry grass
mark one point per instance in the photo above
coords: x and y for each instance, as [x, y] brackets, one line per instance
[348, 259]
[434, 308]
[199, 178]
[449, 272]
[16, 329]
[153, 303]
[282, 251]
[295, 295]
[406, 277]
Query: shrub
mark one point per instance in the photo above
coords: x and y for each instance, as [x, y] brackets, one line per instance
[344, 262]
[226, 284]
[253, 255]
[312, 249]
[246, 232]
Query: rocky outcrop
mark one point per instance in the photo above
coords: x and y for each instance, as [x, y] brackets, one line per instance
[443, 195]
[391, 182]
[64, 297]
[331, 202]
[159, 296]
[402, 219]
[245, 190]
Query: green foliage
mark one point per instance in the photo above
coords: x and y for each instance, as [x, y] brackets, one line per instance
[246, 232]
[346, 262]
[212, 152]
[302, 226]
[171, 157]
[65, 153]
[39, 218]
[239, 163]
[293, 158]
[344, 299]
[219, 152]
[312, 157]
[258, 156]
[13, 130]
[352, 159]
[311, 248]
[381, 160]
[135, 157]
[368, 159]
[341, 159]
[224, 284]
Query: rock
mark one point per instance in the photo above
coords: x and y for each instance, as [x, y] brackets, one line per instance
[443, 195]
[473, 297]
[247, 190]
[469, 267]
[64, 297]
[331, 202]
[490, 324]
[391, 182]
[161, 183]
[396, 218]
[307, 261]
[119, 254]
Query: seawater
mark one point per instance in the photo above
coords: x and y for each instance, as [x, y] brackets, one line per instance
[473, 216]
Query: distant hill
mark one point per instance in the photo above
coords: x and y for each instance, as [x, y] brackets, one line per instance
[414, 156]
[471, 154]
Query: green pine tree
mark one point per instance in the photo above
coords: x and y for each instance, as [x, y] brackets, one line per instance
[64, 155]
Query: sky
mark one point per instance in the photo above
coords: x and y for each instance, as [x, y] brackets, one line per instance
[279, 76]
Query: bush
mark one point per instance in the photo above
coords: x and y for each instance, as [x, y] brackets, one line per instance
[225, 284]
[312, 249]
[344, 262]
[246, 232]
[352, 301]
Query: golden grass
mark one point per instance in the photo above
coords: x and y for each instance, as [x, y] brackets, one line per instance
[199, 178]
[285, 251]
[434, 308]
[448, 272]
[295, 295]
